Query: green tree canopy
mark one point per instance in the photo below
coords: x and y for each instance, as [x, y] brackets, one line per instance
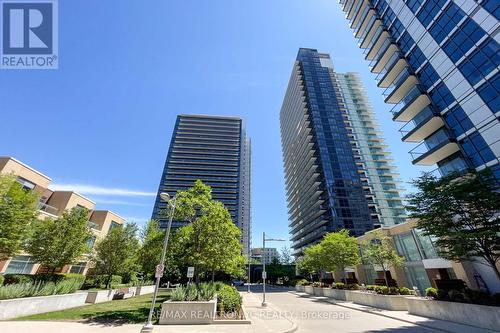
[313, 261]
[379, 251]
[58, 242]
[339, 250]
[17, 212]
[116, 254]
[462, 212]
[149, 254]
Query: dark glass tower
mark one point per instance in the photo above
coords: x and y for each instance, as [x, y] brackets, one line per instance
[323, 185]
[216, 151]
[438, 62]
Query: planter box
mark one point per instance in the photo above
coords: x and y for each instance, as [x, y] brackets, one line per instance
[487, 317]
[100, 296]
[299, 289]
[336, 294]
[309, 290]
[188, 313]
[386, 302]
[318, 291]
[143, 290]
[17, 307]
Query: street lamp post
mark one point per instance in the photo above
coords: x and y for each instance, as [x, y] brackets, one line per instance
[264, 274]
[148, 327]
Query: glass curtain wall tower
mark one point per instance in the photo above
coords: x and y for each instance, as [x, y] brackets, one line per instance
[327, 184]
[438, 62]
[216, 151]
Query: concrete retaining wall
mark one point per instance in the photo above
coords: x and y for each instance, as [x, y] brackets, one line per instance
[143, 290]
[336, 294]
[386, 302]
[309, 290]
[318, 291]
[17, 307]
[300, 289]
[483, 316]
[100, 296]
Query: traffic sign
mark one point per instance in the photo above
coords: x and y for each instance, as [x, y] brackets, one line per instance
[264, 275]
[159, 271]
[190, 272]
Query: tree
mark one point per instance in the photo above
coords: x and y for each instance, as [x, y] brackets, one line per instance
[151, 246]
[286, 255]
[211, 243]
[116, 254]
[379, 251]
[340, 250]
[58, 242]
[17, 212]
[313, 260]
[462, 212]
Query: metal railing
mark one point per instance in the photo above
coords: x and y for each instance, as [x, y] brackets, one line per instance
[422, 117]
[408, 99]
[397, 82]
[435, 140]
[48, 209]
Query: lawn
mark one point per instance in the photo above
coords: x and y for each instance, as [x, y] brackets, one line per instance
[131, 310]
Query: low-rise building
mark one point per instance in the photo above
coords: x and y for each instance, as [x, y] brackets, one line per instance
[423, 267]
[52, 204]
[269, 254]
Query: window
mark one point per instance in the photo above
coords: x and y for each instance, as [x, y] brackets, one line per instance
[463, 40]
[446, 22]
[477, 149]
[113, 225]
[416, 58]
[414, 5]
[493, 7]
[490, 93]
[406, 42]
[406, 246]
[441, 96]
[481, 62]
[91, 242]
[26, 184]
[78, 268]
[458, 120]
[428, 76]
[429, 11]
[20, 265]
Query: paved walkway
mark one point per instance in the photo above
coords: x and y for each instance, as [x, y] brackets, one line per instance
[287, 311]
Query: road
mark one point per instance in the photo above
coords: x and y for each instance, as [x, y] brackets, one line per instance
[313, 315]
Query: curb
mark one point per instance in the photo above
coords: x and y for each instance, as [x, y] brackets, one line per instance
[327, 300]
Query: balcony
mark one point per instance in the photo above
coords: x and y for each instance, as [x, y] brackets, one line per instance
[358, 13]
[367, 36]
[422, 125]
[435, 148]
[373, 49]
[350, 11]
[385, 54]
[363, 24]
[43, 207]
[414, 102]
[394, 66]
[402, 84]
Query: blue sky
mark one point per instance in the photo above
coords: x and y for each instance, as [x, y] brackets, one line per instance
[101, 123]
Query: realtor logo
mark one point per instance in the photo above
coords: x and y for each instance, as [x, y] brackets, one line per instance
[29, 34]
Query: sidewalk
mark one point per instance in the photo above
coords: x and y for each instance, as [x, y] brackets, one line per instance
[261, 323]
[441, 325]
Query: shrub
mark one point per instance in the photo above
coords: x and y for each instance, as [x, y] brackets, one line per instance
[370, 287]
[178, 294]
[1, 280]
[228, 300]
[17, 278]
[303, 282]
[404, 291]
[431, 292]
[115, 281]
[40, 288]
[383, 290]
[316, 284]
[352, 286]
[442, 294]
[206, 292]
[191, 292]
[339, 285]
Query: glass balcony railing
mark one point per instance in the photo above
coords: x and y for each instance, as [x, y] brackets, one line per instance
[362, 19]
[367, 30]
[437, 139]
[421, 118]
[375, 37]
[381, 51]
[414, 92]
[388, 66]
[397, 82]
[48, 209]
[456, 165]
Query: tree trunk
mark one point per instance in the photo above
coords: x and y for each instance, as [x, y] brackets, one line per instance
[385, 278]
[213, 275]
[108, 281]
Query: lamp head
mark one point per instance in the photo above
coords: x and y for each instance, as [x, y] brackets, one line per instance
[165, 196]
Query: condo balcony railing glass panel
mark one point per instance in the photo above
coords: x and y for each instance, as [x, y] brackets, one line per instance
[388, 66]
[47, 208]
[422, 117]
[440, 137]
[456, 165]
[407, 100]
[396, 83]
[385, 45]
[362, 19]
[367, 30]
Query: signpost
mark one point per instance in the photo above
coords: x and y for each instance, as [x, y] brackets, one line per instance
[159, 271]
[190, 273]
